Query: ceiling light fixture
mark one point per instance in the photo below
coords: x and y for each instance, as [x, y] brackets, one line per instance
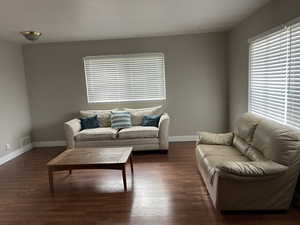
[31, 35]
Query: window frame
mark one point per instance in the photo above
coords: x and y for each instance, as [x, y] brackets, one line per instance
[262, 35]
[163, 78]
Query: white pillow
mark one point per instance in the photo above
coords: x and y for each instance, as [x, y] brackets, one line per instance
[137, 115]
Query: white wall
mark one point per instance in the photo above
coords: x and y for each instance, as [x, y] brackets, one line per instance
[196, 80]
[15, 119]
[273, 14]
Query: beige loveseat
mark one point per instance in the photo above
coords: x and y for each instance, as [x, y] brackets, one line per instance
[137, 136]
[254, 168]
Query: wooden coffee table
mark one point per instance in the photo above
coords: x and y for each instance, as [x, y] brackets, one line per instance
[91, 158]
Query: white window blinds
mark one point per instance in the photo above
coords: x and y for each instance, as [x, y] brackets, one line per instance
[119, 78]
[293, 96]
[274, 79]
[268, 57]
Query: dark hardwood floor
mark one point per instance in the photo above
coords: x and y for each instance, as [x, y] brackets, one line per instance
[166, 189]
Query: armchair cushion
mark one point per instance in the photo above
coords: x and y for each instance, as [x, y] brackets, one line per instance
[215, 139]
[253, 169]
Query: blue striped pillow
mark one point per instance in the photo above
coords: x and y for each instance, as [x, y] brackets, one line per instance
[120, 119]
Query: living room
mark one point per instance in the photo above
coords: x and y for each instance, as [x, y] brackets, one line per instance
[64, 65]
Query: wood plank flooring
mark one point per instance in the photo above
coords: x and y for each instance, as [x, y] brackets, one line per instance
[166, 189]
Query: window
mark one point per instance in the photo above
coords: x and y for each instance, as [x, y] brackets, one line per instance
[274, 75]
[120, 78]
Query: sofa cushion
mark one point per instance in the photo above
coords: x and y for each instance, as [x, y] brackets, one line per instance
[213, 162]
[137, 115]
[217, 150]
[245, 126]
[138, 132]
[240, 144]
[102, 133]
[103, 115]
[120, 119]
[255, 155]
[216, 161]
[277, 142]
[253, 169]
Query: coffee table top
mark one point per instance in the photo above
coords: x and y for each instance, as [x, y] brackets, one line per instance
[92, 156]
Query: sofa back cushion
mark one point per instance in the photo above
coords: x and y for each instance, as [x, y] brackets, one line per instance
[277, 142]
[254, 154]
[103, 115]
[137, 115]
[240, 144]
[245, 126]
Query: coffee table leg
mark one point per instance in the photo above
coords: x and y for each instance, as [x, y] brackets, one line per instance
[124, 176]
[50, 174]
[131, 163]
[70, 171]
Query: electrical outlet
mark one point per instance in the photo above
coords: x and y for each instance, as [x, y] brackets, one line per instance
[25, 141]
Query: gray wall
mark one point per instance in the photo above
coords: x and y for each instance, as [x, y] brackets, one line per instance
[14, 114]
[196, 76]
[272, 15]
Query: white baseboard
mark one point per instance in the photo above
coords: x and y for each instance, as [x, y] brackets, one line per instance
[63, 143]
[15, 153]
[49, 143]
[183, 138]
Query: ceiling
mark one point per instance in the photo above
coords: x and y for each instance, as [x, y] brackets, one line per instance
[76, 20]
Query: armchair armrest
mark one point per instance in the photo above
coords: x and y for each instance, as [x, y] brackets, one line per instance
[163, 133]
[71, 127]
[253, 169]
[215, 139]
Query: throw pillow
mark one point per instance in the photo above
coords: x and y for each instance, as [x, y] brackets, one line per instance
[137, 115]
[151, 120]
[89, 122]
[120, 119]
[103, 116]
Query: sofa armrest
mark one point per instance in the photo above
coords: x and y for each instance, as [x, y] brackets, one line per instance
[71, 127]
[163, 133]
[215, 139]
[253, 169]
